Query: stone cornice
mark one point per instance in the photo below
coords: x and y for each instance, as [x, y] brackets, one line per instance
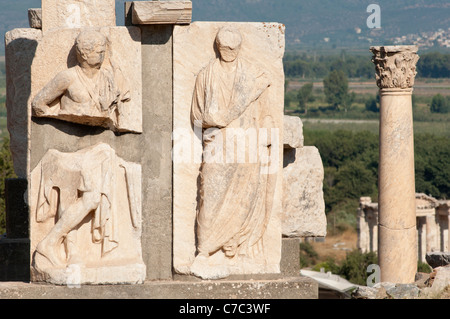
[395, 66]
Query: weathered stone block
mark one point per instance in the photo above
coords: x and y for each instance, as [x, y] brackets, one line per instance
[286, 288]
[156, 158]
[20, 49]
[438, 259]
[162, 12]
[303, 204]
[290, 257]
[293, 132]
[35, 18]
[75, 14]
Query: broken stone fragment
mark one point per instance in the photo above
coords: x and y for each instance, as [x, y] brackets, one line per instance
[35, 18]
[403, 291]
[159, 12]
[303, 202]
[363, 292]
[437, 259]
[293, 132]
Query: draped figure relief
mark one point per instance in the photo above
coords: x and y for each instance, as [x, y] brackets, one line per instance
[86, 212]
[236, 190]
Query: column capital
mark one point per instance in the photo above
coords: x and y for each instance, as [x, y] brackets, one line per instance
[395, 66]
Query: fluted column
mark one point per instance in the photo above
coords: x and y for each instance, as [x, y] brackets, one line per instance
[397, 241]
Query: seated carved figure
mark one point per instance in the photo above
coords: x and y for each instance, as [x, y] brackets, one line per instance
[84, 192]
[91, 92]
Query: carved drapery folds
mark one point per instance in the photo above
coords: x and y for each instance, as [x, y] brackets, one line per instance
[87, 212]
[227, 196]
[70, 82]
[395, 66]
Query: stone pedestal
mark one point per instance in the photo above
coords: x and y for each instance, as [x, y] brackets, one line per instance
[286, 288]
[397, 250]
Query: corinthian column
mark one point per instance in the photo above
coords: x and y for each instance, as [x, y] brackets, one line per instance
[397, 246]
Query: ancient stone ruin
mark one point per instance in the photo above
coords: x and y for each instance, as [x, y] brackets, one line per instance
[395, 73]
[155, 159]
[432, 218]
[155, 154]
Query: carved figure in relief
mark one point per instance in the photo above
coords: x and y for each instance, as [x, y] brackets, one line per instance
[91, 92]
[235, 199]
[74, 185]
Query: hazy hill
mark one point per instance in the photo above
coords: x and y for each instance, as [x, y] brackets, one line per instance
[308, 22]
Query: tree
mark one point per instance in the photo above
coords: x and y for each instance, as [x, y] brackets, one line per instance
[336, 89]
[434, 65]
[353, 180]
[372, 105]
[432, 167]
[304, 95]
[354, 267]
[439, 104]
[308, 256]
[297, 68]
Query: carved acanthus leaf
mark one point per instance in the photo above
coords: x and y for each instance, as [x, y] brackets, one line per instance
[395, 66]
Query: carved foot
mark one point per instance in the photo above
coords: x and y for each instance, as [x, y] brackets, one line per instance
[43, 250]
[202, 268]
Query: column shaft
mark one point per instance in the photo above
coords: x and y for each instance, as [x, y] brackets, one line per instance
[397, 240]
[431, 233]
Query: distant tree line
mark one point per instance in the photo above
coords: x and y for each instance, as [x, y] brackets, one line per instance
[302, 65]
[338, 96]
[307, 66]
[434, 65]
[350, 162]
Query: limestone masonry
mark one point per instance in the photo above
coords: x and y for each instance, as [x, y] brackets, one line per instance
[157, 152]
